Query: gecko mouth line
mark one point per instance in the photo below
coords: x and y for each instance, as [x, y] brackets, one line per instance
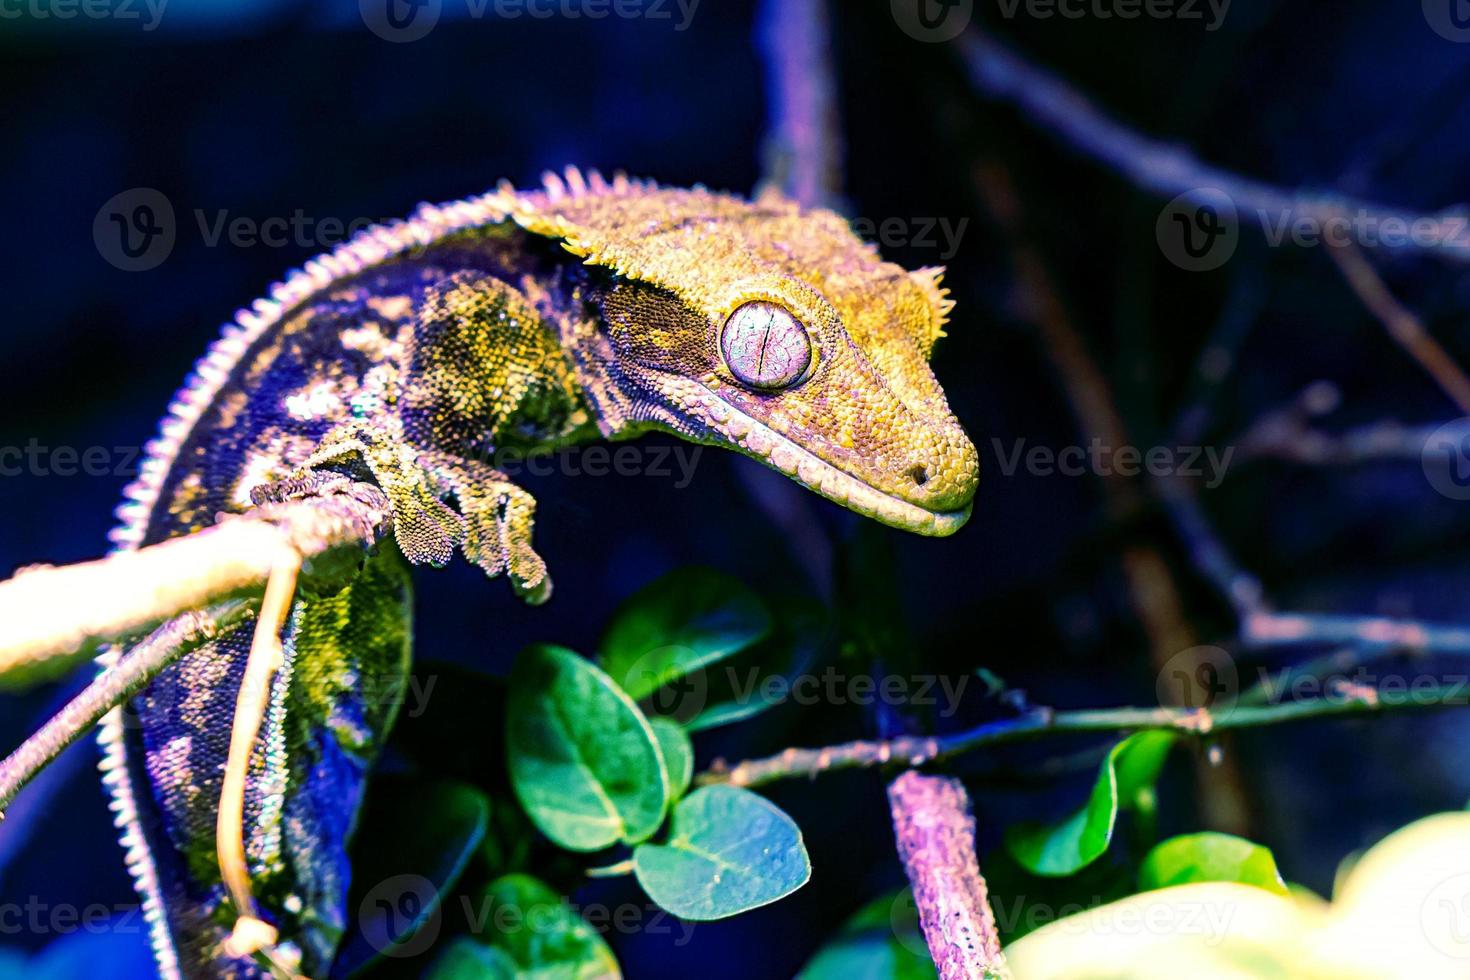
[762, 443]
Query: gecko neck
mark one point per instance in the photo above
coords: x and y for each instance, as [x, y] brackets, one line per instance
[570, 301]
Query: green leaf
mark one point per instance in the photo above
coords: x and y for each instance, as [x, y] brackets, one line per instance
[1210, 857]
[1398, 912]
[677, 752]
[686, 620]
[729, 851]
[509, 841]
[466, 959]
[1139, 759]
[1125, 781]
[583, 759]
[881, 942]
[760, 677]
[413, 841]
[729, 712]
[541, 934]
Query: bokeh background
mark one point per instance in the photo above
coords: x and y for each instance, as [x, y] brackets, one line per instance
[274, 108]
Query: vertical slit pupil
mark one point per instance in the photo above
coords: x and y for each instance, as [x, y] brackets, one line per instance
[763, 344]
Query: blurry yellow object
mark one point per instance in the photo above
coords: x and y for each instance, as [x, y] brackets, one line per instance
[1401, 913]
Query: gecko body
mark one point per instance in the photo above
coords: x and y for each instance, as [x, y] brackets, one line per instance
[408, 358]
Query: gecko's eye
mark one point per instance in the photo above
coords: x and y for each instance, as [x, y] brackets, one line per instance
[765, 346]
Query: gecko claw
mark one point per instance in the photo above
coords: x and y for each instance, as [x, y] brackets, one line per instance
[499, 518]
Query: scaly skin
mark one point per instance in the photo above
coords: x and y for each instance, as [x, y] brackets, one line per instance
[408, 358]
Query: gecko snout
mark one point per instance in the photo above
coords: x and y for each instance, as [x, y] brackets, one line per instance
[941, 473]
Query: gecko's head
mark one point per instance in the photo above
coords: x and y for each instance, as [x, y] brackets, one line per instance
[775, 332]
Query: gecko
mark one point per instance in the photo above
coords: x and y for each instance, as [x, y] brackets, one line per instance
[407, 358]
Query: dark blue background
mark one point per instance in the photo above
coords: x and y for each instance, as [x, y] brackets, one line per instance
[262, 109]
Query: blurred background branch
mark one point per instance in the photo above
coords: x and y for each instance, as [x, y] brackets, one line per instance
[1061, 110]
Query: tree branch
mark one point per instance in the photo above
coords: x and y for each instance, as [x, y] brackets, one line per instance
[1402, 325]
[55, 617]
[935, 831]
[1162, 168]
[1347, 701]
[1260, 626]
[222, 570]
[114, 686]
[804, 146]
[1288, 433]
[1156, 166]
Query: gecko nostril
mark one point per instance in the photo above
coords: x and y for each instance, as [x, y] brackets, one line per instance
[919, 474]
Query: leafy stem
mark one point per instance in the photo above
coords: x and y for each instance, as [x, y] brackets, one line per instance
[1040, 722]
[612, 870]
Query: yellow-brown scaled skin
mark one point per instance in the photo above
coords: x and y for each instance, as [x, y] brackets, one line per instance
[867, 425]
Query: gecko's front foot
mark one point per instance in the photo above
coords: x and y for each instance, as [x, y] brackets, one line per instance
[499, 517]
[426, 528]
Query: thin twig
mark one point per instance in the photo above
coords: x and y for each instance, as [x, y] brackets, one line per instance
[55, 616]
[30, 812]
[1207, 552]
[935, 831]
[616, 870]
[1386, 441]
[333, 530]
[913, 752]
[1218, 357]
[1262, 627]
[267, 657]
[114, 686]
[1288, 433]
[1402, 325]
[1164, 169]
[1271, 629]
